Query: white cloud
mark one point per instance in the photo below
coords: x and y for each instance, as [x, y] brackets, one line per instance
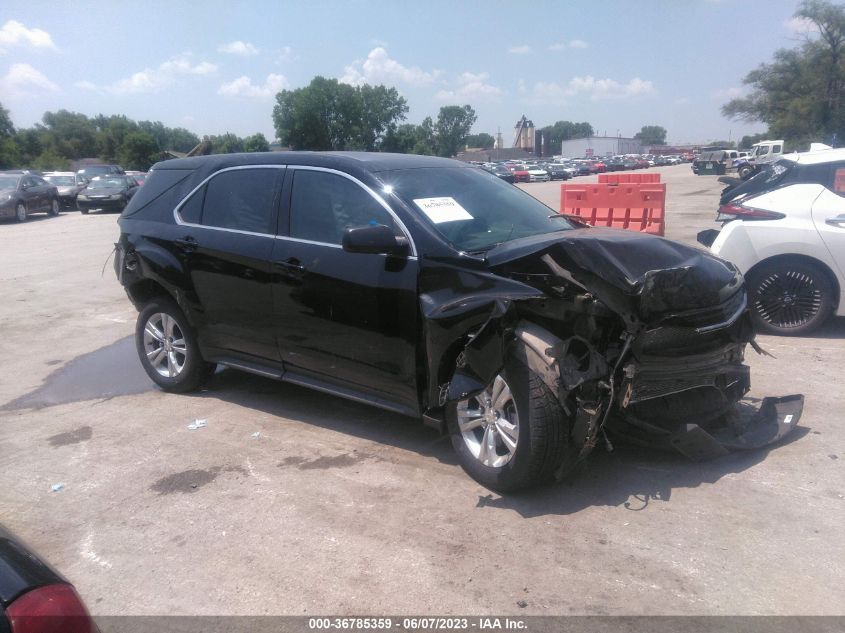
[156, 79]
[578, 44]
[559, 46]
[23, 80]
[523, 49]
[243, 87]
[244, 49]
[470, 86]
[379, 68]
[801, 26]
[285, 55]
[726, 94]
[596, 89]
[13, 33]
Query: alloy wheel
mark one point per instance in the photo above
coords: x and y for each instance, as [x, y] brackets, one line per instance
[164, 345]
[788, 299]
[489, 424]
[20, 212]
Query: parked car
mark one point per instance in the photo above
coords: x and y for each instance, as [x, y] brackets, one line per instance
[22, 194]
[433, 289]
[34, 597]
[537, 174]
[107, 193]
[520, 174]
[68, 184]
[92, 171]
[615, 164]
[558, 171]
[785, 230]
[501, 172]
[139, 176]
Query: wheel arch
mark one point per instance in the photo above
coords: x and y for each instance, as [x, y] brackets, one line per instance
[802, 259]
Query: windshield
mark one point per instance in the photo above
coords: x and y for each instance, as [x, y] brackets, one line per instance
[9, 182]
[107, 183]
[768, 178]
[61, 181]
[471, 209]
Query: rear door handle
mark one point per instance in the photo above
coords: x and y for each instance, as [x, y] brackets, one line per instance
[292, 265]
[187, 244]
[838, 220]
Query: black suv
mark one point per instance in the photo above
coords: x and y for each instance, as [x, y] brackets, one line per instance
[433, 289]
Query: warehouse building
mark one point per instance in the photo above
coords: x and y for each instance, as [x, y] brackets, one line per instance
[600, 146]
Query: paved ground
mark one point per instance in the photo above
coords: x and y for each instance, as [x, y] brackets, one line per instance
[338, 508]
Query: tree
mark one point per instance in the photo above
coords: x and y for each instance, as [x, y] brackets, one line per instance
[72, 135]
[138, 150]
[6, 127]
[481, 140]
[564, 131]
[9, 151]
[651, 135]
[329, 115]
[256, 143]
[452, 127]
[747, 141]
[801, 93]
[227, 143]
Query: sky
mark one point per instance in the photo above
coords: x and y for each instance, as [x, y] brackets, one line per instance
[215, 67]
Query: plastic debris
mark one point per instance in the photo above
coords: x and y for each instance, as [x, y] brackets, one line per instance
[256, 434]
[197, 424]
[57, 487]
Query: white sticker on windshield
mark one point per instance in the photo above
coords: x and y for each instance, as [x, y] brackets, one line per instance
[441, 210]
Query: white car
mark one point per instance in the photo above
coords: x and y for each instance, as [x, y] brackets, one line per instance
[535, 174]
[785, 232]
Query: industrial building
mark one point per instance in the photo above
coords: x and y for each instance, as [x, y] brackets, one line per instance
[600, 146]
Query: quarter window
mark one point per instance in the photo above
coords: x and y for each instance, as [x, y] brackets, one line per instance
[241, 199]
[324, 205]
[191, 211]
[839, 181]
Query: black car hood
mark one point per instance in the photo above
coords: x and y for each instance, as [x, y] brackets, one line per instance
[642, 277]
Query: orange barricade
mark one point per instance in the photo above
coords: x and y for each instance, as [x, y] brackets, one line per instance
[618, 179]
[632, 206]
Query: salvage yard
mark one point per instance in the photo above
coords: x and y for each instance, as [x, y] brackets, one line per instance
[289, 501]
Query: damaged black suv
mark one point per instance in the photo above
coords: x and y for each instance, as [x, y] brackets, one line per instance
[434, 289]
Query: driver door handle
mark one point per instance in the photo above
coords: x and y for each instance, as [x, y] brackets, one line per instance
[838, 220]
[187, 244]
[292, 265]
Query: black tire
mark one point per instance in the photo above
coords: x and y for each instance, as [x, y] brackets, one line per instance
[20, 212]
[54, 207]
[789, 298]
[542, 435]
[194, 370]
[745, 172]
[83, 211]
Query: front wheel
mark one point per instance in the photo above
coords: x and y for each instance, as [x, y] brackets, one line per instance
[513, 434]
[789, 298]
[83, 211]
[20, 212]
[54, 207]
[745, 172]
[168, 349]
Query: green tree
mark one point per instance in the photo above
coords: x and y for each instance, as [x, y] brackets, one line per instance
[801, 93]
[227, 143]
[9, 151]
[138, 150]
[71, 134]
[7, 129]
[329, 115]
[49, 160]
[256, 143]
[481, 140]
[651, 135]
[747, 141]
[452, 128]
[564, 131]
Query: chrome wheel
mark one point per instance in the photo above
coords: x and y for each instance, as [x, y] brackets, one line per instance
[489, 424]
[164, 345]
[788, 299]
[20, 212]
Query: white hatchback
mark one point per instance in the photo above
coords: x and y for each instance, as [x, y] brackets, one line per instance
[785, 230]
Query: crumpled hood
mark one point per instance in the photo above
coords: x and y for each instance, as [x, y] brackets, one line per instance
[640, 276]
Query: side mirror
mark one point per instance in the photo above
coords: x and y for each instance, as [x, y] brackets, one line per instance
[375, 239]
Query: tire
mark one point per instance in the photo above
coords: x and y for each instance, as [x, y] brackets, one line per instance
[541, 433]
[54, 207]
[83, 211]
[20, 212]
[745, 172]
[163, 330]
[789, 298]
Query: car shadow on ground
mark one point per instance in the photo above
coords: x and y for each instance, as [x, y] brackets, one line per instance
[630, 476]
[40, 217]
[834, 328]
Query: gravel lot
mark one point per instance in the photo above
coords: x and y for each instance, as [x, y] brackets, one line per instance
[338, 508]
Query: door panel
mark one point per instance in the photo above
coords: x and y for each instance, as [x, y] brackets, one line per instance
[829, 219]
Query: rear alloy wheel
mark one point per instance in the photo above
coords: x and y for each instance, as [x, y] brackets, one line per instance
[20, 212]
[789, 298]
[54, 207]
[513, 434]
[168, 349]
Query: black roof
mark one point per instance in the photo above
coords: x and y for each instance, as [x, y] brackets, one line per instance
[369, 161]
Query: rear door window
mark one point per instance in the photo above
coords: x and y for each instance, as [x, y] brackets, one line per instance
[242, 200]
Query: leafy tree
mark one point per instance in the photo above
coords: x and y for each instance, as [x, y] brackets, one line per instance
[329, 115]
[138, 150]
[651, 135]
[451, 129]
[49, 160]
[6, 127]
[725, 144]
[566, 130]
[482, 140]
[72, 135]
[747, 141]
[227, 143]
[256, 143]
[801, 93]
[402, 139]
[9, 150]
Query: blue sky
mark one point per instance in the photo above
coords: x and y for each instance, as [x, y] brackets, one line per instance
[215, 66]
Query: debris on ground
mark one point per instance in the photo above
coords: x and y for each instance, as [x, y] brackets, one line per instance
[57, 487]
[521, 604]
[256, 434]
[197, 424]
